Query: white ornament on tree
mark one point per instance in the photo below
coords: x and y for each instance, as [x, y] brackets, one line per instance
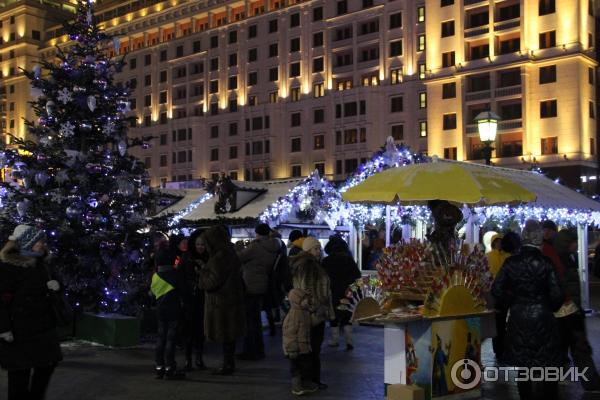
[50, 107]
[91, 102]
[108, 128]
[122, 147]
[64, 96]
[67, 129]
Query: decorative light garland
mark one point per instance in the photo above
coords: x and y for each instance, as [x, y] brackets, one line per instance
[178, 216]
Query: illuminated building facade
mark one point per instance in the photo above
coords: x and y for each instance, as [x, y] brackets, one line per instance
[533, 63]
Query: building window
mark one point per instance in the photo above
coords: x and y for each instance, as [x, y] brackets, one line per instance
[214, 42]
[233, 152]
[369, 27]
[214, 86]
[273, 50]
[448, 59]
[294, 45]
[214, 108]
[273, 26]
[547, 39]
[350, 165]
[592, 146]
[548, 109]
[296, 119]
[422, 70]
[233, 105]
[295, 20]
[449, 121]
[214, 64]
[252, 55]
[396, 76]
[591, 75]
[396, 20]
[319, 89]
[546, 7]
[319, 116]
[550, 145]
[320, 167]
[319, 142]
[396, 104]
[252, 31]
[233, 129]
[370, 80]
[295, 69]
[233, 59]
[163, 160]
[296, 170]
[421, 14]
[273, 97]
[273, 74]
[396, 48]
[421, 42]
[179, 51]
[232, 37]
[444, 3]
[147, 120]
[214, 131]
[133, 63]
[547, 74]
[592, 110]
[318, 39]
[449, 90]
[397, 132]
[148, 80]
[196, 46]
[147, 59]
[252, 100]
[296, 145]
[317, 14]
[450, 153]
[422, 129]
[318, 64]
[344, 84]
[148, 100]
[423, 100]
[214, 154]
[232, 85]
[252, 78]
[342, 7]
[295, 94]
[350, 136]
[448, 28]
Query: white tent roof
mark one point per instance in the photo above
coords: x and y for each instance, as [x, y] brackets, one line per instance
[549, 194]
[187, 197]
[274, 190]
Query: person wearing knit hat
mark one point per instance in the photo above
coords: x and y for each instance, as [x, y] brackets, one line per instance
[295, 240]
[529, 287]
[313, 246]
[29, 345]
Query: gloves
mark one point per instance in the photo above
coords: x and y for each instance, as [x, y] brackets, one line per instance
[53, 285]
[7, 337]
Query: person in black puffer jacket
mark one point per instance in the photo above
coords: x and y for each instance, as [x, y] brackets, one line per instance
[342, 271]
[527, 284]
[28, 339]
[572, 322]
[166, 287]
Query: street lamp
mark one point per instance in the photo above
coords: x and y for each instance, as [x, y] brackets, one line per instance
[487, 125]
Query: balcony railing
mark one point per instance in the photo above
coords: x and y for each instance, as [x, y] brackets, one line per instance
[508, 24]
[508, 91]
[480, 30]
[482, 95]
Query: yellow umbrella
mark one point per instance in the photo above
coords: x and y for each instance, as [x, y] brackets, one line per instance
[457, 182]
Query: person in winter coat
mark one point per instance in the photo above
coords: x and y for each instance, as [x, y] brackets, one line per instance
[280, 283]
[527, 284]
[496, 257]
[192, 262]
[342, 271]
[295, 240]
[29, 346]
[308, 275]
[296, 341]
[571, 319]
[258, 261]
[167, 288]
[221, 279]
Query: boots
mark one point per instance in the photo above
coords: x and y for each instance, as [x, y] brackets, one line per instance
[348, 337]
[300, 388]
[335, 337]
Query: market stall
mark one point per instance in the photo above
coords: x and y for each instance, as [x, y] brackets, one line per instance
[432, 302]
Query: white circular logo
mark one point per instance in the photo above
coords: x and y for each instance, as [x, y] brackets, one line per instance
[465, 374]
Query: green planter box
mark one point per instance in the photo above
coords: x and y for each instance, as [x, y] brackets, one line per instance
[109, 329]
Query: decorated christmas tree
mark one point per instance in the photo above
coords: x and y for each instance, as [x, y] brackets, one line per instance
[73, 176]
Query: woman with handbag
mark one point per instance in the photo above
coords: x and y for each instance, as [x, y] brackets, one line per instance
[29, 346]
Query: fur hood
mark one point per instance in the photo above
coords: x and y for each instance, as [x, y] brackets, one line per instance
[10, 255]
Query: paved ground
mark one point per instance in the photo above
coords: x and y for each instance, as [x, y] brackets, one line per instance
[92, 372]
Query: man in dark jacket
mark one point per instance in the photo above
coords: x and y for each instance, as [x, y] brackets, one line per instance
[527, 284]
[295, 240]
[166, 287]
[572, 321]
[258, 260]
[342, 271]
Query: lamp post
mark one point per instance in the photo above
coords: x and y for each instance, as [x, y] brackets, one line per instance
[487, 125]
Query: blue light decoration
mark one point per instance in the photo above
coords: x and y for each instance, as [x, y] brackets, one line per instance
[313, 200]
